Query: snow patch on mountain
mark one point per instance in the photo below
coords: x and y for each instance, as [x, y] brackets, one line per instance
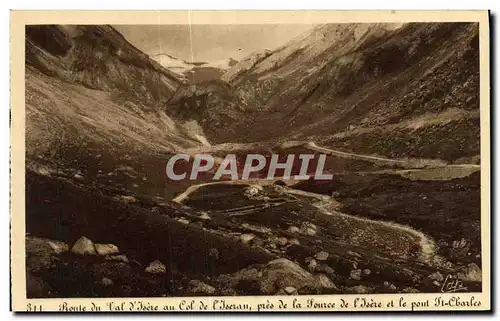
[186, 69]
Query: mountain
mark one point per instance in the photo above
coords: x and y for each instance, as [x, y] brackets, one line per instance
[98, 57]
[194, 72]
[389, 89]
[93, 100]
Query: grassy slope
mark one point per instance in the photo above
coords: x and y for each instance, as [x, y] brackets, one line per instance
[95, 102]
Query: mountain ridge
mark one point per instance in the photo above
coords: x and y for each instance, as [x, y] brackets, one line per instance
[345, 84]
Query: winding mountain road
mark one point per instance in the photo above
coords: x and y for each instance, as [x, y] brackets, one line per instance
[313, 146]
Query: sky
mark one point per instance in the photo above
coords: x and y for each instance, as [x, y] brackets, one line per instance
[205, 43]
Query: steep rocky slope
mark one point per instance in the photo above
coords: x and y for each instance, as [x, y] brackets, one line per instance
[90, 92]
[393, 90]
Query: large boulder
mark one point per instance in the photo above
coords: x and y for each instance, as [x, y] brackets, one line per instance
[84, 246]
[106, 249]
[156, 267]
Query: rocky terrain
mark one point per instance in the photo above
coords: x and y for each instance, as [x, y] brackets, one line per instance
[393, 90]
[395, 108]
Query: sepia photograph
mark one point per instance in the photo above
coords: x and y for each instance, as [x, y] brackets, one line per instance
[289, 159]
